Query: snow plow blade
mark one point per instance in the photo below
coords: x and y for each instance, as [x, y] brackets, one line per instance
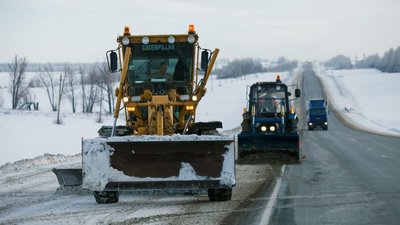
[121, 163]
[268, 148]
[68, 177]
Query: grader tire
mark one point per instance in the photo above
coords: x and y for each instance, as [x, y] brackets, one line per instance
[106, 197]
[220, 194]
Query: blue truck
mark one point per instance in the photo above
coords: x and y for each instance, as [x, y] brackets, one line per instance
[317, 114]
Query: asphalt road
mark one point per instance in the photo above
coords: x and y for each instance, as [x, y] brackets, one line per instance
[347, 176]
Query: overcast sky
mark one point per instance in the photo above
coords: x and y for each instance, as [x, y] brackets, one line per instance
[82, 31]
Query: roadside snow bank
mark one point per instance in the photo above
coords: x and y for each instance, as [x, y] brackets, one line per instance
[366, 98]
[97, 171]
[43, 160]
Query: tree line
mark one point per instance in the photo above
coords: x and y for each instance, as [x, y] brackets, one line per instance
[90, 83]
[241, 67]
[389, 62]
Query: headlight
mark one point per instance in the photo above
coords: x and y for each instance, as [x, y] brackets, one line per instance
[326, 123]
[126, 99]
[145, 40]
[171, 39]
[136, 98]
[310, 124]
[184, 97]
[194, 98]
[272, 128]
[189, 107]
[263, 128]
[125, 41]
[191, 39]
[131, 109]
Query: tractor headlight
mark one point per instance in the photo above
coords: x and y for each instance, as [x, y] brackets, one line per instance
[126, 99]
[263, 128]
[272, 128]
[194, 98]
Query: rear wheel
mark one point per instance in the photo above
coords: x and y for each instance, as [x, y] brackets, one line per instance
[220, 194]
[106, 197]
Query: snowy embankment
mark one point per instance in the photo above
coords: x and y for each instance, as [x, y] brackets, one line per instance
[365, 98]
[29, 134]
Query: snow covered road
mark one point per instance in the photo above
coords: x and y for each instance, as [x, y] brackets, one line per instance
[31, 196]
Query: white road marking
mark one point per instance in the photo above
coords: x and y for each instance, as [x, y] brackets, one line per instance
[266, 216]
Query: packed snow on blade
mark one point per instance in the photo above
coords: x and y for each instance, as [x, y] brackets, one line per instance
[181, 165]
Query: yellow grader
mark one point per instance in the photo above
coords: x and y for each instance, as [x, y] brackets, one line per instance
[163, 79]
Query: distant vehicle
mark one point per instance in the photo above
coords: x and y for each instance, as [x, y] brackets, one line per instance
[317, 114]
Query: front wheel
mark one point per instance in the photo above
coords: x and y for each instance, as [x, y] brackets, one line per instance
[219, 194]
[106, 197]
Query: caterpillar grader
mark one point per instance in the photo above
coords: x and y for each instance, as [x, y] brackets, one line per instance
[269, 126]
[160, 146]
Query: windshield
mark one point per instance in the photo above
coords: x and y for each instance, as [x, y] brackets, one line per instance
[317, 112]
[269, 98]
[161, 62]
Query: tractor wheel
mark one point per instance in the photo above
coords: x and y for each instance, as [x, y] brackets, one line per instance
[246, 123]
[220, 194]
[106, 197]
[293, 126]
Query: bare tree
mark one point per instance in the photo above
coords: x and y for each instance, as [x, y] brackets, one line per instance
[83, 89]
[100, 120]
[46, 77]
[90, 90]
[18, 88]
[106, 84]
[71, 83]
[60, 94]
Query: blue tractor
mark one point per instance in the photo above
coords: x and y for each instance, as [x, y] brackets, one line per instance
[269, 122]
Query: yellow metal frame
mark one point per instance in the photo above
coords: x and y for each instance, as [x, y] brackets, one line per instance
[156, 118]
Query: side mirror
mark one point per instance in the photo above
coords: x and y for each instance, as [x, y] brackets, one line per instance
[204, 60]
[297, 93]
[112, 61]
